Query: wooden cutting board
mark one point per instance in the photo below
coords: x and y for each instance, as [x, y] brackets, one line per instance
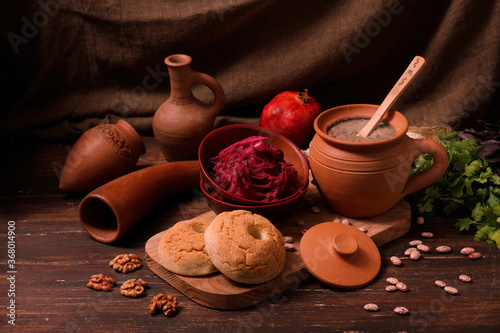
[217, 291]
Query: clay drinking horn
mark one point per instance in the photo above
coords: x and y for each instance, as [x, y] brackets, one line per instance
[109, 211]
[103, 153]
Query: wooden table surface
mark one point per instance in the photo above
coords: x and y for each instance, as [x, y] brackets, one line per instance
[54, 259]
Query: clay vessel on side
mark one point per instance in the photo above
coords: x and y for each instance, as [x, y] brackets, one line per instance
[182, 121]
[101, 154]
[365, 179]
[109, 211]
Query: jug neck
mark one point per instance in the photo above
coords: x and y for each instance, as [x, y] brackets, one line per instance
[180, 72]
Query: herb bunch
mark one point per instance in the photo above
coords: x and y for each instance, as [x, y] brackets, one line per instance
[470, 187]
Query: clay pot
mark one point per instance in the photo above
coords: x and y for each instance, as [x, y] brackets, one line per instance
[103, 153]
[182, 121]
[365, 179]
[109, 211]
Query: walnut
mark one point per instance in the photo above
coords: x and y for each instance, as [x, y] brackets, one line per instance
[126, 263]
[101, 282]
[167, 305]
[133, 287]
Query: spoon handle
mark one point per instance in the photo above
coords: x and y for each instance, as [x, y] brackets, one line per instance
[396, 91]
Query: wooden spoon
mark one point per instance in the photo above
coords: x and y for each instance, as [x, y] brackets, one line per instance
[396, 91]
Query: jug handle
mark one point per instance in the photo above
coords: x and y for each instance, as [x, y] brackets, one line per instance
[431, 175]
[215, 87]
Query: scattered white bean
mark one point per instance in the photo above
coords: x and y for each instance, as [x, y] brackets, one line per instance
[401, 310]
[315, 210]
[301, 222]
[287, 239]
[420, 220]
[346, 221]
[391, 288]
[363, 229]
[392, 280]
[303, 231]
[443, 249]
[415, 255]
[415, 242]
[465, 278]
[410, 250]
[423, 248]
[427, 234]
[289, 247]
[395, 261]
[440, 283]
[371, 307]
[451, 290]
[467, 250]
[475, 255]
[401, 286]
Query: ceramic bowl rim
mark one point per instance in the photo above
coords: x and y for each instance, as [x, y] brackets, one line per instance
[303, 184]
[392, 115]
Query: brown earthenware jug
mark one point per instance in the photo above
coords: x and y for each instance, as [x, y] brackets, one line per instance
[101, 154]
[182, 121]
[365, 179]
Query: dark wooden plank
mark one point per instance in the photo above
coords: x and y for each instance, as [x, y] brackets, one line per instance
[55, 258]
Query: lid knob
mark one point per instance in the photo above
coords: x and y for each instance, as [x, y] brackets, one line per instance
[345, 244]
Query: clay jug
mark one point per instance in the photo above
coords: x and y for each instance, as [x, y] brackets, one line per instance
[109, 211]
[366, 179]
[182, 121]
[101, 154]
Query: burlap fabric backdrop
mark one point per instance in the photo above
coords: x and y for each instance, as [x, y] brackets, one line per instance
[69, 65]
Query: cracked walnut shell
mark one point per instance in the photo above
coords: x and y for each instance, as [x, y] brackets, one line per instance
[101, 282]
[133, 287]
[126, 263]
[166, 305]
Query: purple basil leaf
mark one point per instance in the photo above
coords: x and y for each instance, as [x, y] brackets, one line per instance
[490, 151]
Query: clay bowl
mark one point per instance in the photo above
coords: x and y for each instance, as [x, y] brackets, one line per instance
[274, 212]
[225, 136]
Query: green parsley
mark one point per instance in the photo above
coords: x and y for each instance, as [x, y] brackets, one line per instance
[468, 187]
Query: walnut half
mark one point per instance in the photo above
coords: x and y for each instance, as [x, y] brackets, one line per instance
[166, 305]
[101, 282]
[126, 263]
[133, 287]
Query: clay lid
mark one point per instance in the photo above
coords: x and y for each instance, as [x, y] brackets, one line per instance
[340, 255]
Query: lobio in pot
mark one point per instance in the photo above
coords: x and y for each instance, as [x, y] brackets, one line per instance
[365, 179]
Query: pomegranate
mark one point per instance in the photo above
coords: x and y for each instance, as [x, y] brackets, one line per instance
[292, 115]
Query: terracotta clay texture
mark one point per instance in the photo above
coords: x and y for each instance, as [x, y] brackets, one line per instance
[103, 153]
[365, 179]
[182, 121]
[109, 211]
[340, 255]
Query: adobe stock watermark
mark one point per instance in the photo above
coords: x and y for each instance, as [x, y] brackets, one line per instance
[150, 81]
[123, 106]
[363, 37]
[224, 9]
[31, 26]
[484, 89]
[421, 319]
[11, 273]
[291, 280]
[87, 311]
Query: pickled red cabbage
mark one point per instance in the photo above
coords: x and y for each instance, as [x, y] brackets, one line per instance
[254, 170]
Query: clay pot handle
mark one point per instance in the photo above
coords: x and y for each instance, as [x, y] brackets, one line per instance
[217, 90]
[431, 175]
